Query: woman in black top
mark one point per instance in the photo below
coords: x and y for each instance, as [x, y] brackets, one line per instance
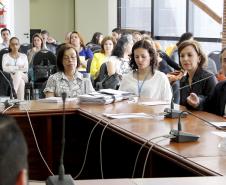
[197, 80]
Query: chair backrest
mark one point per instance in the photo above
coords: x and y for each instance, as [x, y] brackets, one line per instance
[24, 48]
[2, 52]
[215, 56]
[89, 61]
[44, 64]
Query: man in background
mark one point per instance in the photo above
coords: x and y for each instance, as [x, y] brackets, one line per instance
[13, 153]
[5, 34]
[116, 34]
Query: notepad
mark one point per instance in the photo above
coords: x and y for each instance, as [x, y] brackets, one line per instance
[56, 100]
[219, 124]
[128, 115]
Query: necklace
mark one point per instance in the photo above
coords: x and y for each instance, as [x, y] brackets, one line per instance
[139, 86]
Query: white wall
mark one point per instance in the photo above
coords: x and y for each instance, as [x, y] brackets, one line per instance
[95, 15]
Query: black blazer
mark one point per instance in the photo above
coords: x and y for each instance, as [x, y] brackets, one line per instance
[216, 102]
[203, 89]
[5, 89]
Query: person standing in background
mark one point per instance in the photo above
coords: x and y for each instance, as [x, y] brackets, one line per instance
[5, 34]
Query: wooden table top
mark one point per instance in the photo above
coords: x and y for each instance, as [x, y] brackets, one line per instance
[151, 181]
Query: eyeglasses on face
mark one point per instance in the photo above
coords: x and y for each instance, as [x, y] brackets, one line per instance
[67, 58]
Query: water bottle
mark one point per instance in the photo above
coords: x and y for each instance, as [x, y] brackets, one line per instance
[36, 94]
[27, 94]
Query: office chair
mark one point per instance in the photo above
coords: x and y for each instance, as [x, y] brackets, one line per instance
[2, 52]
[43, 65]
[24, 48]
[215, 56]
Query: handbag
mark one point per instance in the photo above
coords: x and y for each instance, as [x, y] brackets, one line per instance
[109, 82]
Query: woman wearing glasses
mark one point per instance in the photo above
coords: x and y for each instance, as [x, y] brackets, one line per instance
[68, 79]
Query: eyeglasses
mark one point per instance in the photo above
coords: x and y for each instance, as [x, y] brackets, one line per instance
[67, 58]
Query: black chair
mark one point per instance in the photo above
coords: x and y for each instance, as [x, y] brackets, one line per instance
[2, 52]
[215, 56]
[43, 65]
[24, 48]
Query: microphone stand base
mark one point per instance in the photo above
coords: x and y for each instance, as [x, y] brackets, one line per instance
[181, 137]
[171, 113]
[54, 180]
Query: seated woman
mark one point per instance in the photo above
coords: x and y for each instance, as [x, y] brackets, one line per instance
[16, 64]
[216, 102]
[120, 57]
[68, 79]
[84, 53]
[107, 46]
[197, 80]
[95, 44]
[37, 45]
[145, 80]
[6, 85]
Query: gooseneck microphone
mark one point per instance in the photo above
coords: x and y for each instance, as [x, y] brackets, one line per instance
[10, 86]
[181, 137]
[61, 179]
[171, 112]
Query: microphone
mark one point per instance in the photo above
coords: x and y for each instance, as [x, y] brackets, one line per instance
[10, 86]
[181, 137]
[61, 179]
[171, 112]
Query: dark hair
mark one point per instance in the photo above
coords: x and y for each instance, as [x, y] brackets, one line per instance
[117, 30]
[60, 56]
[5, 29]
[195, 44]
[145, 44]
[82, 43]
[222, 51]
[184, 36]
[121, 44]
[103, 42]
[96, 37]
[11, 40]
[45, 32]
[39, 36]
[13, 150]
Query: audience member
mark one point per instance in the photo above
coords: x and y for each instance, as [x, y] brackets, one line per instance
[5, 34]
[192, 60]
[49, 43]
[16, 64]
[6, 85]
[13, 152]
[145, 80]
[120, 57]
[107, 46]
[95, 44]
[84, 53]
[116, 34]
[136, 36]
[68, 79]
[37, 45]
[183, 37]
[216, 102]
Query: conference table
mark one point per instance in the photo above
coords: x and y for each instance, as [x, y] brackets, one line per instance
[113, 144]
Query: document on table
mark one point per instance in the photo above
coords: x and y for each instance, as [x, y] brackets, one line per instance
[151, 103]
[128, 115]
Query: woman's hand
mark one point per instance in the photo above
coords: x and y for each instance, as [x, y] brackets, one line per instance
[193, 100]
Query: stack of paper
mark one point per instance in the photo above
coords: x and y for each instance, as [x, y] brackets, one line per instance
[56, 100]
[105, 96]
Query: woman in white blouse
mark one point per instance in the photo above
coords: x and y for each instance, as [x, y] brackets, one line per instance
[16, 64]
[145, 80]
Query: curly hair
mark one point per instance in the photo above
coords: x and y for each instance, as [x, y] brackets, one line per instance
[152, 52]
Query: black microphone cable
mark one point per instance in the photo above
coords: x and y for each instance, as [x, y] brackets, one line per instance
[11, 89]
